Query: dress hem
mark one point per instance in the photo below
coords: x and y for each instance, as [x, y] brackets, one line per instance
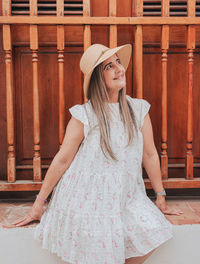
[126, 257]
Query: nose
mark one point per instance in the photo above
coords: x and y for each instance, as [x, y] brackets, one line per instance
[118, 68]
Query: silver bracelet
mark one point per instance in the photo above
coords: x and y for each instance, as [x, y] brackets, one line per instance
[161, 193]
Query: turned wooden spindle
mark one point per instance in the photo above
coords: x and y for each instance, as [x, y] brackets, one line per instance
[189, 152]
[36, 119]
[61, 103]
[164, 47]
[7, 46]
[37, 175]
[11, 166]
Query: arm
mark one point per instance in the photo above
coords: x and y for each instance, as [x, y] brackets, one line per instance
[151, 164]
[150, 160]
[73, 137]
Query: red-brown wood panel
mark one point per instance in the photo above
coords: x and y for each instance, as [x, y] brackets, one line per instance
[177, 88]
[48, 94]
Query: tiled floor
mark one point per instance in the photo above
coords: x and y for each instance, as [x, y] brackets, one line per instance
[11, 211]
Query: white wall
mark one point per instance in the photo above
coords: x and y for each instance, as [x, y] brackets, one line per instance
[18, 247]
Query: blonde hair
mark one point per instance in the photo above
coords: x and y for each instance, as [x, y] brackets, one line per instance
[98, 95]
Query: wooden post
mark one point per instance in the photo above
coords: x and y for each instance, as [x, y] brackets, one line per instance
[87, 29]
[60, 48]
[189, 154]
[138, 50]
[113, 28]
[7, 46]
[37, 175]
[190, 49]
[164, 47]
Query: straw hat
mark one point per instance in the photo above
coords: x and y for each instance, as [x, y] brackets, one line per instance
[96, 54]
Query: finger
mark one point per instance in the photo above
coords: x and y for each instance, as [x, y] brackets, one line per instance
[172, 212]
[19, 220]
[26, 221]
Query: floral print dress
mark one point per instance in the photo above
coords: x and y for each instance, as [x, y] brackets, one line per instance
[99, 212]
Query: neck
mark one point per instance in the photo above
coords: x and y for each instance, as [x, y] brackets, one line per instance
[113, 97]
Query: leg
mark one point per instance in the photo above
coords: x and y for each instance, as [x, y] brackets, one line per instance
[138, 260]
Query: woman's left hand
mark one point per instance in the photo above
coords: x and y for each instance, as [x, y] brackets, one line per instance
[165, 209]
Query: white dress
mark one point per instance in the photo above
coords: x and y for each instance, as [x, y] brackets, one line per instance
[99, 212]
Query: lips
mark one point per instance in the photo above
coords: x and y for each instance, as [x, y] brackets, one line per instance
[119, 77]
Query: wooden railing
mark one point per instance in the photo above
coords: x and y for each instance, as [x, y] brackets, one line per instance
[138, 21]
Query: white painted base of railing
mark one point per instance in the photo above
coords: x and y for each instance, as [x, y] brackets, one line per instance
[17, 246]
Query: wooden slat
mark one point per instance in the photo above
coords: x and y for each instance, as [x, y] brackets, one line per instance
[170, 165]
[87, 28]
[36, 120]
[137, 11]
[112, 8]
[189, 154]
[164, 47]
[138, 61]
[20, 185]
[87, 37]
[6, 7]
[191, 6]
[60, 8]
[113, 28]
[86, 8]
[33, 7]
[137, 8]
[60, 48]
[176, 183]
[7, 46]
[113, 36]
[165, 8]
[171, 183]
[54, 20]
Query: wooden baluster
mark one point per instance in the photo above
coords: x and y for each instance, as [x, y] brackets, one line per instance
[37, 175]
[164, 47]
[189, 154]
[87, 29]
[60, 48]
[138, 50]
[190, 49]
[7, 46]
[113, 28]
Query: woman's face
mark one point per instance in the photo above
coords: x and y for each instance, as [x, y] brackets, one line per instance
[114, 74]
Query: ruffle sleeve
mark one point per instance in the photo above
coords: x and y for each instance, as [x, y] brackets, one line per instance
[145, 106]
[79, 112]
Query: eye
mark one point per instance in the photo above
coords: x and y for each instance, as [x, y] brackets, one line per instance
[118, 61]
[109, 66]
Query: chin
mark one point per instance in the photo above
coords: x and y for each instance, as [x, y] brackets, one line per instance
[122, 85]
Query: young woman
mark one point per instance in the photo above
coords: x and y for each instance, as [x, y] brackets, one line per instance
[99, 211]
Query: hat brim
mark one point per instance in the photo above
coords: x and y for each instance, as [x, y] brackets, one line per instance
[124, 54]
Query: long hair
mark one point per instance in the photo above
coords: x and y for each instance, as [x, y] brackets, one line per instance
[98, 95]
